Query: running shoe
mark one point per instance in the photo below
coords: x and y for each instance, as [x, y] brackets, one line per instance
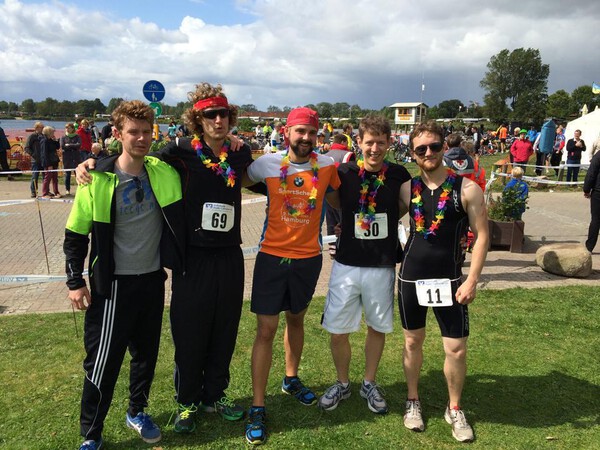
[374, 396]
[91, 445]
[226, 407]
[333, 396]
[413, 418]
[461, 430]
[185, 422]
[303, 394]
[256, 429]
[145, 427]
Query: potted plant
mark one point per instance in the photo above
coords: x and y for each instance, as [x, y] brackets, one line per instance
[505, 224]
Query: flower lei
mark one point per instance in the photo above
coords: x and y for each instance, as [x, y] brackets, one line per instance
[222, 167]
[441, 206]
[367, 204]
[312, 199]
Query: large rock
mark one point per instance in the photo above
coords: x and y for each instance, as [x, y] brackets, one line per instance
[567, 260]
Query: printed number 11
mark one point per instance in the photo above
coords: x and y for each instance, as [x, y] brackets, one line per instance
[437, 291]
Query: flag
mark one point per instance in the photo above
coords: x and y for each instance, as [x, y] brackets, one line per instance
[595, 88]
[423, 87]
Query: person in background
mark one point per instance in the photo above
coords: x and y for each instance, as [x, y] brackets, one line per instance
[502, 133]
[86, 139]
[172, 130]
[520, 187]
[595, 147]
[49, 146]
[4, 148]
[276, 137]
[106, 132]
[32, 148]
[557, 149]
[341, 154]
[575, 147]
[70, 143]
[94, 131]
[591, 190]
[521, 150]
[348, 132]
[97, 151]
[532, 134]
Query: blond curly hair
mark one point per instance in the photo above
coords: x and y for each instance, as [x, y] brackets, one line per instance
[193, 117]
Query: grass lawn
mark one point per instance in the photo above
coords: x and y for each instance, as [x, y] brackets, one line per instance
[533, 382]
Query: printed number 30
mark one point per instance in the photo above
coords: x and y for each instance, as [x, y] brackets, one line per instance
[373, 230]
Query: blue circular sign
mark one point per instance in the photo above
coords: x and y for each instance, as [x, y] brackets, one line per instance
[154, 91]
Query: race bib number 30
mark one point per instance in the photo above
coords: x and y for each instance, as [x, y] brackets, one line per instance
[377, 230]
[434, 292]
[217, 217]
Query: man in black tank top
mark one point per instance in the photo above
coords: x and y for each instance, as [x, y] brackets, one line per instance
[442, 207]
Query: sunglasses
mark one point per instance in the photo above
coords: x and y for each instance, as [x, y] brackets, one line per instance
[139, 190]
[435, 147]
[213, 113]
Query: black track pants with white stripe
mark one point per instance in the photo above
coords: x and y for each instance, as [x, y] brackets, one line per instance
[130, 319]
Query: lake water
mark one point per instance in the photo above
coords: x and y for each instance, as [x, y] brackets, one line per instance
[14, 128]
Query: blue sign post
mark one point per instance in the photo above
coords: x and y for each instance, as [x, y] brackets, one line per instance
[154, 91]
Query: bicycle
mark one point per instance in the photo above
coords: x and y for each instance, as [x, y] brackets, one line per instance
[400, 152]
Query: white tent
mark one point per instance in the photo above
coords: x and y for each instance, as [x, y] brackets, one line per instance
[589, 125]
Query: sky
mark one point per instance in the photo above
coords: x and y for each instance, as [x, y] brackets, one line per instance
[372, 53]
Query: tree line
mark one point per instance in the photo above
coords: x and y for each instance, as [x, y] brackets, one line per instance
[515, 86]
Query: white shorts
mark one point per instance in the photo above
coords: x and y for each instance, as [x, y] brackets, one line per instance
[353, 288]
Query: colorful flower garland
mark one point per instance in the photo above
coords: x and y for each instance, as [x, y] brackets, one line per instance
[222, 167]
[417, 188]
[312, 199]
[366, 215]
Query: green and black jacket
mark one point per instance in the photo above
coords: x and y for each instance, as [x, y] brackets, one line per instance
[94, 212]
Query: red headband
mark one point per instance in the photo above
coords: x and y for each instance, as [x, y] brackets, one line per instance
[211, 102]
[303, 116]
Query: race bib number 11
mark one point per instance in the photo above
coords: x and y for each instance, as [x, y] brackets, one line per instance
[434, 292]
[217, 217]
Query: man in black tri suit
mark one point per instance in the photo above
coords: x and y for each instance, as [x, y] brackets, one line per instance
[442, 207]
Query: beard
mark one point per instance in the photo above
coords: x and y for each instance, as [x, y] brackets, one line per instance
[429, 165]
[300, 150]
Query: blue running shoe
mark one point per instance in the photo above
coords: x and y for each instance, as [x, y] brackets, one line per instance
[91, 445]
[143, 425]
[256, 429]
[303, 394]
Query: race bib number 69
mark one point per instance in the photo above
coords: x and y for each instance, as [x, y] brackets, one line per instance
[217, 217]
[434, 292]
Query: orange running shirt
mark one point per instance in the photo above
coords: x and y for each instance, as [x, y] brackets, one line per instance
[284, 235]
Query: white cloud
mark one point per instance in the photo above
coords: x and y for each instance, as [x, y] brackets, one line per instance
[370, 53]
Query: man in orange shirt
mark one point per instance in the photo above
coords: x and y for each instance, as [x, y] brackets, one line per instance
[502, 134]
[289, 261]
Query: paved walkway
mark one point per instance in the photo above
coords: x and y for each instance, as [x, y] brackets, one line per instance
[552, 217]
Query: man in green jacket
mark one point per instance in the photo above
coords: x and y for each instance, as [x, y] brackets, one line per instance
[132, 210]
